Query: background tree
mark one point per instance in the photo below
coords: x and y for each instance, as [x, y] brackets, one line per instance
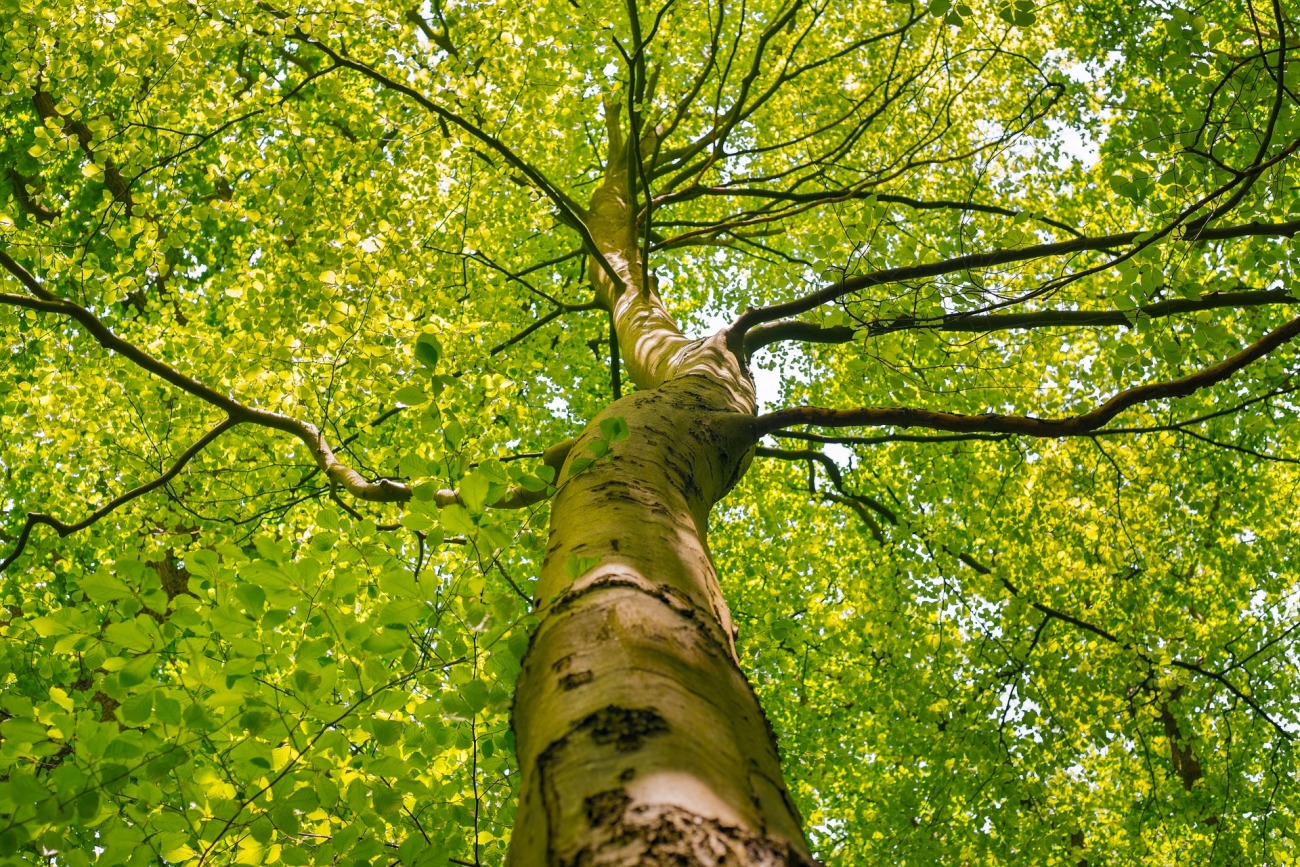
[315, 318]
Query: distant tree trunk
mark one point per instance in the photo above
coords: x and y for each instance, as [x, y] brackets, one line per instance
[639, 740]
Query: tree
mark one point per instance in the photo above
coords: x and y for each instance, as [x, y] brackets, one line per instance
[958, 420]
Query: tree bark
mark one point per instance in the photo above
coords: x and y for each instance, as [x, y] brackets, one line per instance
[639, 739]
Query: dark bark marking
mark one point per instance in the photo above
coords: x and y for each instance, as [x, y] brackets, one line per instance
[775, 782]
[659, 835]
[677, 601]
[550, 797]
[570, 597]
[575, 680]
[562, 663]
[606, 807]
[624, 728]
[627, 776]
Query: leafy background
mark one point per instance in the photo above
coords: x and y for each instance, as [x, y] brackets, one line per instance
[976, 661]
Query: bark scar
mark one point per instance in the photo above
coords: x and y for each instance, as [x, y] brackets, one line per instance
[605, 808]
[625, 728]
[575, 679]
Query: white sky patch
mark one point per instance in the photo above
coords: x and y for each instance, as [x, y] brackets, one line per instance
[1076, 143]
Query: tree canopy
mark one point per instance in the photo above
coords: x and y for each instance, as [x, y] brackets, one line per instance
[302, 306]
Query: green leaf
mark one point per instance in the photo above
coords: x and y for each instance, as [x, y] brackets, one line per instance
[22, 731]
[386, 802]
[103, 587]
[122, 748]
[87, 806]
[614, 429]
[128, 635]
[455, 518]
[474, 489]
[418, 521]
[532, 483]
[454, 431]
[137, 709]
[411, 395]
[428, 351]
[476, 694]
[50, 626]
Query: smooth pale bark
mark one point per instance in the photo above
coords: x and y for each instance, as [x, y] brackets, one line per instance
[639, 739]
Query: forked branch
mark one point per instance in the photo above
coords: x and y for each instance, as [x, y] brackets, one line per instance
[861, 504]
[45, 301]
[570, 212]
[756, 316]
[1078, 425]
[809, 332]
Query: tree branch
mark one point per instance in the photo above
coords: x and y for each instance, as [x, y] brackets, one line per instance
[755, 316]
[829, 197]
[808, 332]
[889, 438]
[1078, 623]
[571, 213]
[861, 504]
[341, 476]
[541, 322]
[1084, 423]
[65, 529]
[379, 491]
[517, 496]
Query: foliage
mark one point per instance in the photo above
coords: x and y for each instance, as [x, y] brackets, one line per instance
[976, 647]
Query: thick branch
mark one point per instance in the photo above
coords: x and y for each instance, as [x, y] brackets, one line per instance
[1029, 425]
[27, 200]
[865, 191]
[889, 438]
[381, 490]
[648, 337]
[793, 329]
[754, 317]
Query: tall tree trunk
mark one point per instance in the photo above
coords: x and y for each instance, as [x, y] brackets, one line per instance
[640, 742]
[639, 739]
